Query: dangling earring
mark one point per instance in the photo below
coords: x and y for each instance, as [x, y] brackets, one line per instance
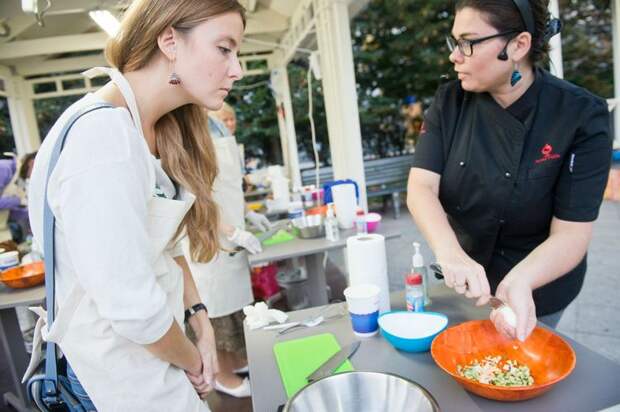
[516, 76]
[174, 78]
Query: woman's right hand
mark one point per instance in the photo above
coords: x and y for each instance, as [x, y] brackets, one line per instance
[464, 275]
[196, 377]
[200, 385]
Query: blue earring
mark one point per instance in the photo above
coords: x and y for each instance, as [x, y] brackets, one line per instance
[516, 76]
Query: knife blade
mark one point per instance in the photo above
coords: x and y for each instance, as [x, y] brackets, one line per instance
[494, 302]
[331, 364]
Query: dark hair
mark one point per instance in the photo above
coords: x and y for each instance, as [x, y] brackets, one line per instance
[23, 170]
[504, 15]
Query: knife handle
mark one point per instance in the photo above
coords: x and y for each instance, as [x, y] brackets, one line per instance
[436, 268]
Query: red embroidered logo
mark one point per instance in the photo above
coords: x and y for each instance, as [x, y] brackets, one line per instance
[547, 152]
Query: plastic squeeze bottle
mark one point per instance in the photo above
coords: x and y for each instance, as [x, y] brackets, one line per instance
[420, 267]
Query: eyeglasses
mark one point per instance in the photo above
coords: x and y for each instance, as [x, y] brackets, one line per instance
[466, 46]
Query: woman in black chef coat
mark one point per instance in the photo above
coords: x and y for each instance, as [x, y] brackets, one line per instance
[511, 166]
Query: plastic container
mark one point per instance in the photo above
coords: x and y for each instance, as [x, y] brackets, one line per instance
[332, 233]
[372, 222]
[363, 304]
[295, 213]
[412, 331]
[9, 259]
[414, 294]
[417, 262]
[345, 203]
[360, 223]
[294, 283]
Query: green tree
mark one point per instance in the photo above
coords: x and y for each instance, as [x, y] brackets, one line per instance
[257, 122]
[399, 50]
[7, 142]
[587, 45]
[49, 110]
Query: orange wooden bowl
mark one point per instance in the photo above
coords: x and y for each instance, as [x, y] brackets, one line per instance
[24, 276]
[549, 357]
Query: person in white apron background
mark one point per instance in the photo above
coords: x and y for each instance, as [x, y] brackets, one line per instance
[224, 283]
[121, 194]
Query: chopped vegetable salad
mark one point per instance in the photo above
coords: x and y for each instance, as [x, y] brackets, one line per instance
[493, 370]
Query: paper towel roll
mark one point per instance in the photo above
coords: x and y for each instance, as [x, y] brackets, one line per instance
[367, 263]
[344, 199]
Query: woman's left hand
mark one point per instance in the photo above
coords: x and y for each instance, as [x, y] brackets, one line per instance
[517, 294]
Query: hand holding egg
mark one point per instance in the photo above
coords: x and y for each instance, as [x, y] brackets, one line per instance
[517, 319]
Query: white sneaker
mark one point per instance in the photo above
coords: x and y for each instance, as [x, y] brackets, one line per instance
[241, 391]
[245, 369]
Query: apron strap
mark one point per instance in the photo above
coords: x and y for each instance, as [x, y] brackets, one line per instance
[50, 385]
[125, 89]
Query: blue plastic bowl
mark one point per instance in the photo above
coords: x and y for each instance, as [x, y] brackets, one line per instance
[412, 331]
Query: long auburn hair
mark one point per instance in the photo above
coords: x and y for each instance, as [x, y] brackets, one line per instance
[182, 135]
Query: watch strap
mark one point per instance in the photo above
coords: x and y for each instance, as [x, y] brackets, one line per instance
[192, 310]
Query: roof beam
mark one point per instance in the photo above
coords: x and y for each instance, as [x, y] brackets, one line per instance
[53, 45]
[302, 23]
[33, 67]
[74, 43]
[265, 21]
[18, 25]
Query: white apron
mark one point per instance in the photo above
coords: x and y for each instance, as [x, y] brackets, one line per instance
[224, 283]
[131, 379]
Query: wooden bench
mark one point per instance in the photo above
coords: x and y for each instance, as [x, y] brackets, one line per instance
[384, 177]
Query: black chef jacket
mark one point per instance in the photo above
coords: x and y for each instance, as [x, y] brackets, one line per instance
[506, 172]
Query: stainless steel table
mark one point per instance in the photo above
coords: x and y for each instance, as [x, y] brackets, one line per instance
[593, 385]
[312, 251]
[13, 342]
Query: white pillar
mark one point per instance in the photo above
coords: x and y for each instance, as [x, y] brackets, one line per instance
[557, 64]
[615, 8]
[286, 124]
[339, 90]
[23, 118]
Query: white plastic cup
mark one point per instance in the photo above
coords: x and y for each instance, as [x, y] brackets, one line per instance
[363, 304]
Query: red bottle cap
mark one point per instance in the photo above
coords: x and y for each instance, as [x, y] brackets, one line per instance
[414, 279]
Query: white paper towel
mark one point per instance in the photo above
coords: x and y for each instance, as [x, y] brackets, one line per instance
[367, 263]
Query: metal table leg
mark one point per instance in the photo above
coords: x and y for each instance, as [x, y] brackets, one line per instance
[317, 284]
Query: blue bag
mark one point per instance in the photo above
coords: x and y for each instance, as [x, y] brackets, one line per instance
[51, 390]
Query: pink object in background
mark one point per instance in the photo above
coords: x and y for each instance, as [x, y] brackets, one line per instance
[372, 221]
[318, 193]
[264, 282]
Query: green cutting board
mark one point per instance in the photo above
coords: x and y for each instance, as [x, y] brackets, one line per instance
[298, 358]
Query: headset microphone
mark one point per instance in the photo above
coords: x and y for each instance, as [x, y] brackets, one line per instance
[503, 55]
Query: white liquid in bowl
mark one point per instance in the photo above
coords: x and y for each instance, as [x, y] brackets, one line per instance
[412, 325]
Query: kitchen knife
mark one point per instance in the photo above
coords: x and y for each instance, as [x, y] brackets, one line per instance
[331, 364]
